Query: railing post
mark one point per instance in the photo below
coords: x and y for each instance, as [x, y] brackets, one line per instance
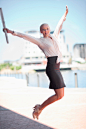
[27, 79]
[76, 81]
[21, 75]
[38, 79]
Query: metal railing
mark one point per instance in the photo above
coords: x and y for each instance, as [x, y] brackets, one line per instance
[37, 77]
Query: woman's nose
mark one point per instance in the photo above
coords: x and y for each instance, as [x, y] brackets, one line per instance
[45, 30]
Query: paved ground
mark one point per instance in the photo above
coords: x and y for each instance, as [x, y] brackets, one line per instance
[17, 100]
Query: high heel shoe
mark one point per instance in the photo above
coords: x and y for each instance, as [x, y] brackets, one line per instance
[36, 111]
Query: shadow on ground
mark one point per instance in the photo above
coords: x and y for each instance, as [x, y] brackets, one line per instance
[12, 120]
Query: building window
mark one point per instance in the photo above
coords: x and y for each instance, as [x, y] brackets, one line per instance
[27, 58]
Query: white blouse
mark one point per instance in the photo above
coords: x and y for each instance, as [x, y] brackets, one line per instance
[49, 45]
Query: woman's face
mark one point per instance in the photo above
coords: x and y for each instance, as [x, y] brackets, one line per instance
[45, 30]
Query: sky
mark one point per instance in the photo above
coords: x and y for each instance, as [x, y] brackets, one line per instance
[23, 15]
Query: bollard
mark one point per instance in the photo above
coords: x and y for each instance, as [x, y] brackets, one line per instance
[38, 79]
[76, 81]
[28, 78]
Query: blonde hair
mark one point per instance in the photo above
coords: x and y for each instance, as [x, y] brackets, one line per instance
[42, 26]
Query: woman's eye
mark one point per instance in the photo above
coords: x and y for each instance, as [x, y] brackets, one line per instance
[47, 28]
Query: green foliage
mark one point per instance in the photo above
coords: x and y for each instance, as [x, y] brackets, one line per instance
[5, 65]
[80, 62]
[8, 65]
[70, 61]
[12, 67]
[18, 67]
[15, 67]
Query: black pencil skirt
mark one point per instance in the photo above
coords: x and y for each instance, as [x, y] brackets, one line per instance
[54, 74]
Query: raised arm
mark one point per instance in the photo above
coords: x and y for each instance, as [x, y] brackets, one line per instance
[60, 23]
[24, 36]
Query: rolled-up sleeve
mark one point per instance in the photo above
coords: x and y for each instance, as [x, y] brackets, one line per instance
[28, 37]
[59, 26]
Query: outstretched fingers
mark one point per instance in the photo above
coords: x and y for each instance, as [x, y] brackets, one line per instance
[66, 13]
[66, 9]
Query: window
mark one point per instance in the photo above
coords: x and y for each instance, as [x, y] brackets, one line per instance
[27, 58]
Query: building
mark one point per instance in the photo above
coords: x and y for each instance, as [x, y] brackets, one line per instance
[79, 50]
[64, 47]
[33, 55]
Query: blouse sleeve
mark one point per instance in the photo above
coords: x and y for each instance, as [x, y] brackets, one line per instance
[28, 37]
[59, 26]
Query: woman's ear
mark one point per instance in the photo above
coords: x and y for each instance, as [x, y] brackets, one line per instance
[40, 31]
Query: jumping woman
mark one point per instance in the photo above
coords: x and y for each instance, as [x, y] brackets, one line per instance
[50, 47]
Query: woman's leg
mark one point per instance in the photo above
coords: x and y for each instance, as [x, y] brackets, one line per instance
[59, 93]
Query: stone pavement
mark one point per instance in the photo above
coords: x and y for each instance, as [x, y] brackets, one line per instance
[17, 100]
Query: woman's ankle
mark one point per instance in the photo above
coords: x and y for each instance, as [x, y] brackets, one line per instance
[40, 108]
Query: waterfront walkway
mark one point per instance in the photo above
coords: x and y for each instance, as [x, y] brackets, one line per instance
[17, 100]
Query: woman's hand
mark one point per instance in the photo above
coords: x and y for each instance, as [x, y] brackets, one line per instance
[8, 31]
[66, 12]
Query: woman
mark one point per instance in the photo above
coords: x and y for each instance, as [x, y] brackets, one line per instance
[50, 47]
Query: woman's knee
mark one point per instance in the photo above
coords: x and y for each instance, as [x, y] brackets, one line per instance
[59, 93]
[60, 96]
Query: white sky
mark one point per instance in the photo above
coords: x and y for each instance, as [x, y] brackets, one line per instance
[22, 15]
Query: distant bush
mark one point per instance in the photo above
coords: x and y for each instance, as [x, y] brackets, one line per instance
[8, 65]
[70, 61]
[80, 62]
[5, 65]
[1, 68]
[18, 67]
[12, 67]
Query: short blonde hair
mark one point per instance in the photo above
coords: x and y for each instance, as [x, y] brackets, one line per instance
[42, 26]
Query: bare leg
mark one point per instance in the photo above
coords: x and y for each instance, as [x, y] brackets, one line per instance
[59, 93]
